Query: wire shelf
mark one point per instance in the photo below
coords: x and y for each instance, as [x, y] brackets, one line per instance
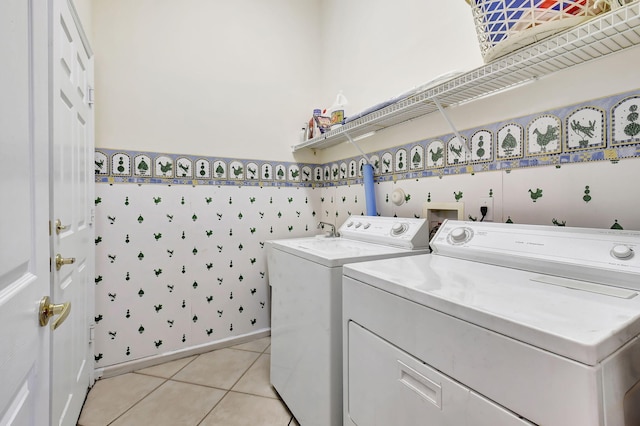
[605, 34]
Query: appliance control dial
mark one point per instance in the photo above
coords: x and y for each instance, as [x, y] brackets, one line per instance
[460, 235]
[349, 225]
[367, 225]
[622, 252]
[358, 225]
[399, 228]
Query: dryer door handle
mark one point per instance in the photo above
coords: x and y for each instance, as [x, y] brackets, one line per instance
[421, 385]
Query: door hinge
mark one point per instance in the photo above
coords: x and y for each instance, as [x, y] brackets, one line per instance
[90, 95]
[49, 228]
[92, 333]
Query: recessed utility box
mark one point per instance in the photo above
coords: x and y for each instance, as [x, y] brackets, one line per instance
[436, 213]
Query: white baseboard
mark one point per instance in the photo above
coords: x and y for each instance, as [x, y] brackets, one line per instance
[138, 364]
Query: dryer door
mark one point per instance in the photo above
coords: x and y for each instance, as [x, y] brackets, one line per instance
[387, 386]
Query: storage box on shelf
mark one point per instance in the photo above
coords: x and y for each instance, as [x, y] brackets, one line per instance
[605, 34]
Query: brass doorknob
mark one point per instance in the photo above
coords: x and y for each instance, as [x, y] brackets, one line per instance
[59, 226]
[48, 309]
[63, 261]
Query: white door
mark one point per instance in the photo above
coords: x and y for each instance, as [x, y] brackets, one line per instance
[71, 209]
[24, 215]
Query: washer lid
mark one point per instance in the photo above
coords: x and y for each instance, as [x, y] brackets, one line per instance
[583, 323]
[334, 252]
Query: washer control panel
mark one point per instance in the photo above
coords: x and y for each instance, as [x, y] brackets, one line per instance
[622, 252]
[400, 232]
[460, 235]
[596, 255]
[399, 228]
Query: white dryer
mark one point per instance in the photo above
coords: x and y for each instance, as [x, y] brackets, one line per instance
[305, 275]
[502, 324]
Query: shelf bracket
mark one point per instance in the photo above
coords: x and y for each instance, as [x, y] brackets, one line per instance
[453, 128]
[359, 149]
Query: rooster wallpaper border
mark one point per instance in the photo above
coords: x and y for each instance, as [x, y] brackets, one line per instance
[605, 129]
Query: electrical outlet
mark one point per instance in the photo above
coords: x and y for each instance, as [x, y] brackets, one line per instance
[488, 202]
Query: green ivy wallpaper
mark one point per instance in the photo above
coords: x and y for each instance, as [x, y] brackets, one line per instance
[181, 266]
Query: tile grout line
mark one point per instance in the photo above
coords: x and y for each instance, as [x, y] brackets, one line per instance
[140, 400]
[170, 377]
[152, 391]
[213, 408]
[231, 387]
[227, 391]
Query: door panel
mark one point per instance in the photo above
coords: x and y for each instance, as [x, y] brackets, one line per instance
[72, 193]
[24, 235]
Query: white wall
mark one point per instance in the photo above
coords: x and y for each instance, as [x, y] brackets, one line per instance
[377, 49]
[238, 79]
[234, 79]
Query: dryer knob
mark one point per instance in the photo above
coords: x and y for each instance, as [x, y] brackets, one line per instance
[458, 235]
[367, 225]
[358, 225]
[622, 252]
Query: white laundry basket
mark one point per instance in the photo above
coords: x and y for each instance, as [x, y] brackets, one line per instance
[506, 25]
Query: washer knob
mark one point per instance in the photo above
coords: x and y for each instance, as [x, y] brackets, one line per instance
[349, 225]
[622, 252]
[398, 228]
[358, 225]
[367, 225]
[458, 235]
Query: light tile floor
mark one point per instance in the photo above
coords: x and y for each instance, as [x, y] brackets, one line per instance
[225, 387]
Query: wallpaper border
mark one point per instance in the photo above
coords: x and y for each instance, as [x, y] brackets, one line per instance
[605, 129]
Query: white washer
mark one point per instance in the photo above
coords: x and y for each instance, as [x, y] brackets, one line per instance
[305, 275]
[502, 324]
